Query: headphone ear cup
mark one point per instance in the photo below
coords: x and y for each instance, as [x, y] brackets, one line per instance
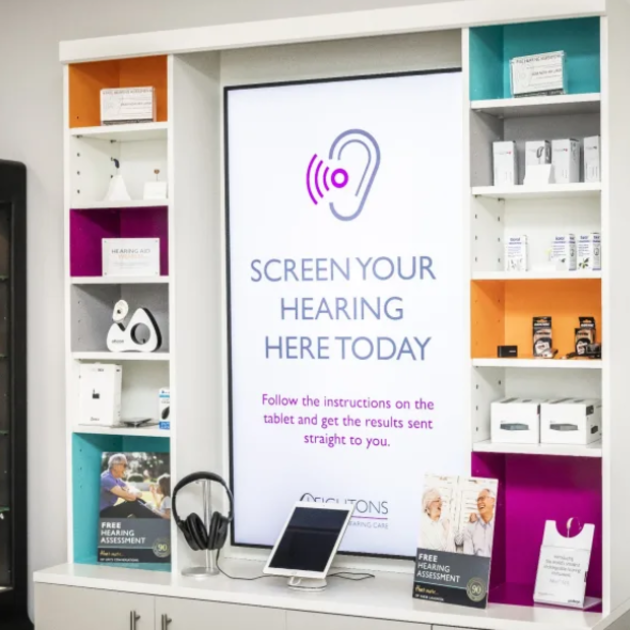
[218, 529]
[198, 532]
[183, 526]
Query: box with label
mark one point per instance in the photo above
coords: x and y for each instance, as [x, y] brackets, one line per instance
[100, 387]
[131, 256]
[565, 157]
[516, 253]
[164, 408]
[537, 152]
[592, 164]
[515, 420]
[504, 163]
[563, 255]
[542, 337]
[589, 252]
[571, 421]
[128, 105]
[538, 74]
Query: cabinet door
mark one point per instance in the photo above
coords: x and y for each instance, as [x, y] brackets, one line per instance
[71, 608]
[316, 621]
[186, 614]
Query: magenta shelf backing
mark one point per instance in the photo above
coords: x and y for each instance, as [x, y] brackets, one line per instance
[532, 491]
[89, 227]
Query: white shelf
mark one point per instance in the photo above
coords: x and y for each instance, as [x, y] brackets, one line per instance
[569, 450]
[152, 431]
[119, 280]
[553, 364]
[540, 105]
[113, 205]
[121, 356]
[123, 133]
[536, 275]
[550, 191]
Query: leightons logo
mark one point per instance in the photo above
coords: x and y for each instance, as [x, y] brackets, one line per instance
[343, 179]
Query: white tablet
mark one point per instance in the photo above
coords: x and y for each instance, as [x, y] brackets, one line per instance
[309, 540]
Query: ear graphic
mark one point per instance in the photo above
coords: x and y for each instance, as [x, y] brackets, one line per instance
[359, 179]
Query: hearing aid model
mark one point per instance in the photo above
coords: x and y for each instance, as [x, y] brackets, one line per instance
[141, 334]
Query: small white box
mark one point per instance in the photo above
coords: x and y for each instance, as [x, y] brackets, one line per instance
[565, 157]
[589, 252]
[571, 421]
[538, 74]
[504, 162]
[100, 387]
[537, 152]
[515, 420]
[128, 105]
[592, 164]
[131, 256]
[516, 253]
[164, 409]
[563, 253]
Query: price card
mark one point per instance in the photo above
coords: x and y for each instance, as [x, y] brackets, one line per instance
[131, 256]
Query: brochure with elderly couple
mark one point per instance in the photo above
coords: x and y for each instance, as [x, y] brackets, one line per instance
[135, 509]
[455, 542]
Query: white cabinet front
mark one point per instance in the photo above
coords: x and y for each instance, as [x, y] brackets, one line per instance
[185, 614]
[308, 621]
[72, 608]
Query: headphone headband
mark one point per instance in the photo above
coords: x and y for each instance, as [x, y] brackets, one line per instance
[199, 476]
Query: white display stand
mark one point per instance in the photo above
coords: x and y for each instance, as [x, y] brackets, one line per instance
[188, 150]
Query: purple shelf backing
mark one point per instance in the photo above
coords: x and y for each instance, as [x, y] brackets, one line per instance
[89, 227]
[533, 490]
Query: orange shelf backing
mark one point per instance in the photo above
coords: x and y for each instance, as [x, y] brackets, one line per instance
[88, 79]
[502, 313]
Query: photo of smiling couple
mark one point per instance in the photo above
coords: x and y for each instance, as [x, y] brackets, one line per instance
[458, 515]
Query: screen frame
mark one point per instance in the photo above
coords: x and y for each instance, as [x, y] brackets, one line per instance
[227, 89]
[309, 505]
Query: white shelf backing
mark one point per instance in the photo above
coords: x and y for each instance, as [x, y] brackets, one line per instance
[540, 105]
[568, 450]
[116, 205]
[121, 356]
[80, 280]
[123, 133]
[537, 275]
[551, 191]
[152, 431]
[553, 364]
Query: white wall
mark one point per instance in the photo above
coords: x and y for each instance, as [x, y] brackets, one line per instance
[31, 132]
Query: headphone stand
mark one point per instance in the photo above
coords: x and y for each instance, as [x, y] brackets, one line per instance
[210, 568]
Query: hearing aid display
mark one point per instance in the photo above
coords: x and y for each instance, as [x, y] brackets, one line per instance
[128, 105]
[515, 420]
[542, 337]
[538, 74]
[504, 163]
[131, 256]
[117, 189]
[100, 387]
[140, 334]
[571, 421]
[592, 167]
[507, 352]
[156, 190]
[565, 157]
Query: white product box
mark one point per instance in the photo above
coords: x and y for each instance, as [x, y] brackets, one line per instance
[571, 421]
[516, 253]
[131, 256]
[565, 157]
[128, 105]
[100, 386]
[504, 162]
[592, 164]
[515, 420]
[563, 253]
[537, 152]
[164, 408]
[589, 252]
[538, 74]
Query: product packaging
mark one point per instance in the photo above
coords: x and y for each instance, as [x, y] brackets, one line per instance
[592, 164]
[515, 420]
[589, 251]
[100, 388]
[571, 421]
[565, 157]
[516, 253]
[563, 253]
[128, 105]
[164, 409]
[504, 162]
[585, 335]
[538, 74]
[537, 152]
[543, 344]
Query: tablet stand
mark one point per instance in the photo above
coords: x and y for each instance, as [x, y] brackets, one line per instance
[307, 584]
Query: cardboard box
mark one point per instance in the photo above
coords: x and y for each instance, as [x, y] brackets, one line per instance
[516, 258]
[128, 105]
[589, 252]
[515, 420]
[504, 163]
[571, 421]
[592, 160]
[563, 255]
[100, 388]
[565, 157]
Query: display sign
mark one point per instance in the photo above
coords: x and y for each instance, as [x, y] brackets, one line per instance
[348, 351]
[131, 256]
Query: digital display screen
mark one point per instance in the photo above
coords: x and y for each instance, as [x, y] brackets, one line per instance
[309, 540]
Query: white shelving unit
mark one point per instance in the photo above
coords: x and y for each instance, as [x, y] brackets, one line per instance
[120, 356]
[150, 431]
[123, 133]
[133, 203]
[119, 280]
[565, 450]
[539, 105]
[550, 192]
[537, 275]
[540, 364]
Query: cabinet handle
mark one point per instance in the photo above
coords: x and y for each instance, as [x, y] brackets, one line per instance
[165, 622]
[133, 620]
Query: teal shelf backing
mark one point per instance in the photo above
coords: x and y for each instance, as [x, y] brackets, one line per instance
[87, 451]
[492, 47]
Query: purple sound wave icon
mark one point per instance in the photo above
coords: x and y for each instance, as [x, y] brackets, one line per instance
[322, 178]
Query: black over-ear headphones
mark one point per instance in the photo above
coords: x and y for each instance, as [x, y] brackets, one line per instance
[195, 532]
